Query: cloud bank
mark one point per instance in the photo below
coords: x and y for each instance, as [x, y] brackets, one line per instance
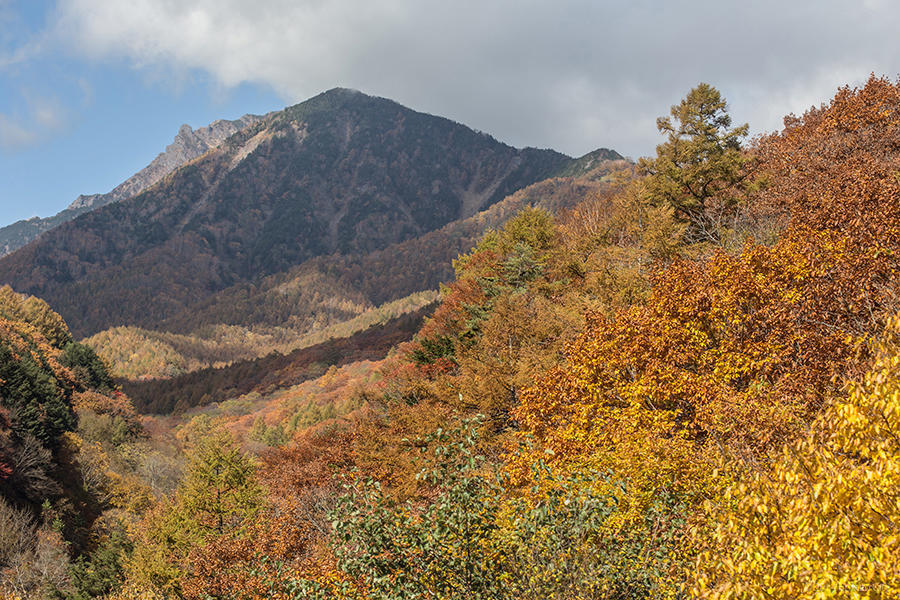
[572, 75]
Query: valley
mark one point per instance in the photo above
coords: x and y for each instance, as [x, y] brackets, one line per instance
[351, 350]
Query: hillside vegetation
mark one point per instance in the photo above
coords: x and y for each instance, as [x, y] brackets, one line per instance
[135, 353]
[330, 296]
[271, 372]
[680, 388]
[683, 386]
[75, 467]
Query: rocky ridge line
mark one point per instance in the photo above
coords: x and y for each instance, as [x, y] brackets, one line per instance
[187, 145]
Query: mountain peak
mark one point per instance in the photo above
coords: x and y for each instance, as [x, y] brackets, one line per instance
[188, 144]
[590, 161]
[342, 172]
[342, 91]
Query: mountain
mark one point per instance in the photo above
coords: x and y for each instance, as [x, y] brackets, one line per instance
[326, 297]
[342, 173]
[187, 145]
[591, 163]
[300, 296]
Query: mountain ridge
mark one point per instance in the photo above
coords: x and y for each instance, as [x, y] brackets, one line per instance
[342, 172]
[188, 144]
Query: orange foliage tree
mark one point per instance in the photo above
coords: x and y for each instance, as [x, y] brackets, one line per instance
[740, 353]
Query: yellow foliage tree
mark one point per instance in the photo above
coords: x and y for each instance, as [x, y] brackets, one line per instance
[824, 520]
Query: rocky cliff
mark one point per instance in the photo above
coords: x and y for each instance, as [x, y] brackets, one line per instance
[188, 144]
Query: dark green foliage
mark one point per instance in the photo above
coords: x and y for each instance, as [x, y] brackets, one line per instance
[699, 171]
[433, 349]
[521, 266]
[441, 549]
[101, 571]
[562, 546]
[38, 404]
[87, 366]
[62, 481]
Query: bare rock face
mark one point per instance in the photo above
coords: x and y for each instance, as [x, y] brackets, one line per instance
[188, 145]
[85, 201]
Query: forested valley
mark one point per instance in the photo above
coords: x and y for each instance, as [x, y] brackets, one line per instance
[671, 378]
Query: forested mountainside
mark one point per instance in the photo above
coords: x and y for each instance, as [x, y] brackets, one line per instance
[187, 145]
[329, 296]
[343, 172]
[386, 274]
[63, 431]
[272, 372]
[654, 395]
[685, 386]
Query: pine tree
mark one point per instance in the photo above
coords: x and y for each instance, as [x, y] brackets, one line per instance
[699, 171]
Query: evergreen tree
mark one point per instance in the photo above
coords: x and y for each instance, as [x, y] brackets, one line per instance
[220, 488]
[699, 170]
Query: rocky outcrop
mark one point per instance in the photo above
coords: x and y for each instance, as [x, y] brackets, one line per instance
[188, 145]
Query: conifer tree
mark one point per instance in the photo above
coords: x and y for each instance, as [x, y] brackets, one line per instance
[220, 487]
[699, 170]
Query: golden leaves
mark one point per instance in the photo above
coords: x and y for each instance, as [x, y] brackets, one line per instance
[823, 520]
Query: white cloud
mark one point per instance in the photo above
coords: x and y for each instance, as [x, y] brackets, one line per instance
[14, 135]
[48, 116]
[44, 117]
[571, 75]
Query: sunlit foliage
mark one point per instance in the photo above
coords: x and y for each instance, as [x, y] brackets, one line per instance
[823, 519]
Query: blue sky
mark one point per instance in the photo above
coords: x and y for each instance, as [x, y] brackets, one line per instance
[92, 90]
[73, 124]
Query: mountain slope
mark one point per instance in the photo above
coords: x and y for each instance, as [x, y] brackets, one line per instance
[342, 172]
[302, 295]
[274, 371]
[187, 145]
[326, 297]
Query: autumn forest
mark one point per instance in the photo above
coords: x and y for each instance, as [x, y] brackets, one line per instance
[590, 379]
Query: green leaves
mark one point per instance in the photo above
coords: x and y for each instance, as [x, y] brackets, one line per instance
[439, 548]
[101, 572]
[220, 489]
[699, 171]
[37, 400]
[473, 537]
[433, 349]
[88, 367]
[219, 495]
